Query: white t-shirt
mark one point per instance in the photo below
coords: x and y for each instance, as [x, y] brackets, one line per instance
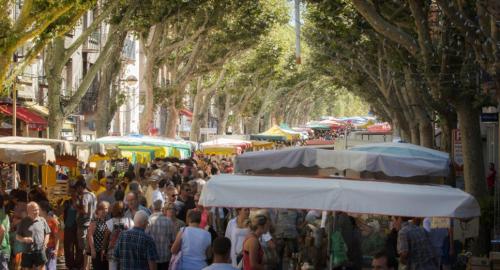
[129, 224]
[237, 237]
[220, 266]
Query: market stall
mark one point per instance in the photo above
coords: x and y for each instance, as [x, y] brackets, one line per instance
[310, 161]
[67, 155]
[380, 127]
[33, 154]
[276, 133]
[221, 150]
[139, 146]
[25, 154]
[243, 144]
[61, 147]
[364, 197]
[262, 145]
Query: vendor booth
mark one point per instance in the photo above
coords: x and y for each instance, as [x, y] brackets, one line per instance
[311, 161]
[221, 150]
[363, 197]
[66, 154]
[33, 154]
[142, 149]
[276, 133]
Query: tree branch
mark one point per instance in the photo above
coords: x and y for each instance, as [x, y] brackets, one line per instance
[24, 15]
[368, 11]
[472, 33]
[87, 32]
[424, 38]
[37, 30]
[89, 77]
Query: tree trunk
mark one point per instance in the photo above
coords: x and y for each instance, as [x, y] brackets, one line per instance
[147, 87]
[415, 101]
[173, 118]
[198, 114]
[426, 134]
[224, 116]
[53, 69]
[447, 124]
[237, 125]
[415, 134]
[56, 116]
[474, 170]
[107, 99]
[253, 125]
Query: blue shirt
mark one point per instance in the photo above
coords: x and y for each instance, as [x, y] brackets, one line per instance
[135, 249]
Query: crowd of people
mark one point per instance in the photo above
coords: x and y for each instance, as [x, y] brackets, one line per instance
[153, 220]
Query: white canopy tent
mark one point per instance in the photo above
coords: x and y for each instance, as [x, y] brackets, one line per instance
[360, 161]
[61, 147]
[366, 197]
[26, 153]
[402, 149]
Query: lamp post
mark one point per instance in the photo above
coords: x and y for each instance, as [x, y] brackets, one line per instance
[130, 82]
[14, 109]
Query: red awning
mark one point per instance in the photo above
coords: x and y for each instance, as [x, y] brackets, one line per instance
[186, 113]
[33, 120]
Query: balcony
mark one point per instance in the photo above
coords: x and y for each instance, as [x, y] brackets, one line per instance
[92, 44]
[128, 53]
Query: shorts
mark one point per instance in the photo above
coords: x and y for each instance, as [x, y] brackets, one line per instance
[82, 237]
[36, 258]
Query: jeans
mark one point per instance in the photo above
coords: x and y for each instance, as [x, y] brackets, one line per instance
[72, 254]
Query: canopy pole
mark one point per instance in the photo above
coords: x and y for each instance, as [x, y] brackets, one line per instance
[14, 130]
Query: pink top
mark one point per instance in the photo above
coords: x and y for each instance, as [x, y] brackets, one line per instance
[204, 219]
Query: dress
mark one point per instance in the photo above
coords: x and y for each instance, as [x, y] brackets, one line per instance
[99, 263]
[195, 242]
[100, 228]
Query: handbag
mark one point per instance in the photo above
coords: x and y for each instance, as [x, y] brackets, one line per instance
[176, 259]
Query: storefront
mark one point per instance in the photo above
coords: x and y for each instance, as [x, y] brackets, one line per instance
[29, 124]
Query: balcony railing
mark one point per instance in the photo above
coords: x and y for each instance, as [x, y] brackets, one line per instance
[91, 45]
[128, 53]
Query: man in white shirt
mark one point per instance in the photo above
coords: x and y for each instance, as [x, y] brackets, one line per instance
[221, 249]
[153, 192]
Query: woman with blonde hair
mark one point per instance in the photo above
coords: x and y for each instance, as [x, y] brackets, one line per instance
[253, 254]
[95, 237]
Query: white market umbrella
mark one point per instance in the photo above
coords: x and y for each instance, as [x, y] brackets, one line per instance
[366, 197]
[360, 161]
